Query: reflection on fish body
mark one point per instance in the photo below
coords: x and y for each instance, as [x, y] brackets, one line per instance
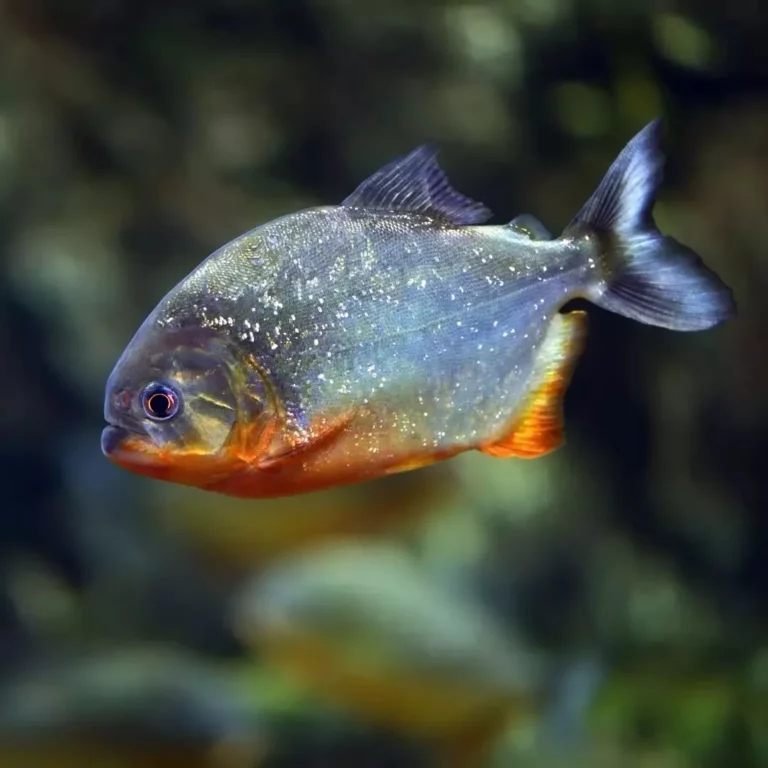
[342, 343]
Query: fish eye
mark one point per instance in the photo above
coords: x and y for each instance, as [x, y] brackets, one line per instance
[160, 402]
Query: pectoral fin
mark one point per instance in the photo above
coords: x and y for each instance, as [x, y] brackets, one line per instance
[538, 427]
[283, 453]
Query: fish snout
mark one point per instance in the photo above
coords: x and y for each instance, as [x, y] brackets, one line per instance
[121, 420]
[112, 437]
[119, 403]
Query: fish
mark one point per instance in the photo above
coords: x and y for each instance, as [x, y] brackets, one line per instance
[341, 343]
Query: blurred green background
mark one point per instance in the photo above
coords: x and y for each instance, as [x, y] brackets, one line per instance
[603, 606]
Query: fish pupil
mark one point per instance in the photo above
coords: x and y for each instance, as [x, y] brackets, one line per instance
[160, 402]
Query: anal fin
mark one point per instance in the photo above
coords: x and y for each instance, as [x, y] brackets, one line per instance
[537, 428]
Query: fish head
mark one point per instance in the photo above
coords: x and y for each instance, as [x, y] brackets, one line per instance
[186, 405]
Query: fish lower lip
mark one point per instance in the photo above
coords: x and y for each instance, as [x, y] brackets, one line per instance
[112, 437]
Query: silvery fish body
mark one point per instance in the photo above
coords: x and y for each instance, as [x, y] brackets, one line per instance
[391, 331]
[348, 308]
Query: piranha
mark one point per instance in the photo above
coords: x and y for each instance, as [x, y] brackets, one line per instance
[342, 343]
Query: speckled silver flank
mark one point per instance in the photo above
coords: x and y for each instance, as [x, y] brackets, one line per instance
[429, 329]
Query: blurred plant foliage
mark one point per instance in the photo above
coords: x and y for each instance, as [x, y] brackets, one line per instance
[604, 606]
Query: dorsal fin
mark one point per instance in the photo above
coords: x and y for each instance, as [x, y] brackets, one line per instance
[538, 427]
[530, 226]
[417, 183]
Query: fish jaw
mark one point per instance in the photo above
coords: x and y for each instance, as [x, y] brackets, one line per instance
[137, 453]
[111, 439]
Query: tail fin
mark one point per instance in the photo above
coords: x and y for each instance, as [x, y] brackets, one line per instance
[646, 276]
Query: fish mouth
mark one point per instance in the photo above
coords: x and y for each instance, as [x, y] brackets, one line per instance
[118, 442]
[112, 437]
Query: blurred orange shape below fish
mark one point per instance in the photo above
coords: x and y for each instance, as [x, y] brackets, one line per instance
[362, 627]
[235, 540]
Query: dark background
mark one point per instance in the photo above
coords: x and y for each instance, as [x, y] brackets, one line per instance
[136, 137]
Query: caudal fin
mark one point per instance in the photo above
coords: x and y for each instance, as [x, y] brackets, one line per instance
[645, 275]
